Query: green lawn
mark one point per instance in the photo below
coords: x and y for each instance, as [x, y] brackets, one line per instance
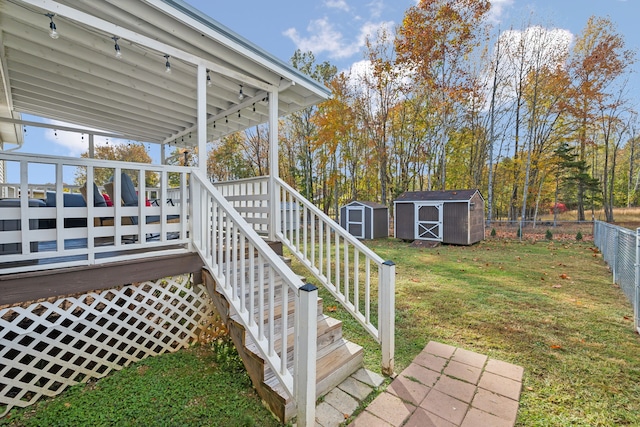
[199, 386]
[547, 306]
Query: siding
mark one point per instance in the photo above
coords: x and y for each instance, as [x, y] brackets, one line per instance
[405, 221]
[455, 223]
[477, 220]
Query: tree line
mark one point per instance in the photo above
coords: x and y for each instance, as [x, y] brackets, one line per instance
[534, 117]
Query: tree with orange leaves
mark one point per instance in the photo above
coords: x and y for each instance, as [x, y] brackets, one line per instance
[435, 41]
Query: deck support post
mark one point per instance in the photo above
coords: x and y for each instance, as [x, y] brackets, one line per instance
[386, 315]
[202, 118]
[305, 355]
[274, 193]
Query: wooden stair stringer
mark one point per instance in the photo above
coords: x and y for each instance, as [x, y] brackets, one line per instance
[337, 358]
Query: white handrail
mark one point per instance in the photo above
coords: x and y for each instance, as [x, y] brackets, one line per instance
[259, 285]
[336, 265]
[345, 266]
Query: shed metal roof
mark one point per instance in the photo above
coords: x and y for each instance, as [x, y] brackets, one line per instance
[438, 196]
[373, 205]
[77, 78]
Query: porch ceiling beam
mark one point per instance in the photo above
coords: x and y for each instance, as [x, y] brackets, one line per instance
[221, 115]
[65, 128]
[131, 133]
[53, 105]
[114, 72]
[78, 58]
[255, 56]
[71, 102]
[190, 38]
[23, 66]
[230, 112]
[109, 28]
[126, 104]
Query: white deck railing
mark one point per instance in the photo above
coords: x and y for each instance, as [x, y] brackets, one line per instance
[250, 197]
[356, 276]
[110, 233]
[259, 286]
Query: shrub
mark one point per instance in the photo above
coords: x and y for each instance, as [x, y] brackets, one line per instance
[519, 233]
[493, 232]
[548, 235]
[579, 236]
[226, 355]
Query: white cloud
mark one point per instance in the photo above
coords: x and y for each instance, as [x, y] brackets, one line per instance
[76, 142]
[324, 37]
[337, 4]
[376, 8]
[497, 9]
[530, 49]
[542, 46]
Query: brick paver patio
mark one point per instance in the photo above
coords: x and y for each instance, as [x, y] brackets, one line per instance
[447, 386]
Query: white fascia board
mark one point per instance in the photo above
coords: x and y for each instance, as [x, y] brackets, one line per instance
[92, 21]
[224, 35]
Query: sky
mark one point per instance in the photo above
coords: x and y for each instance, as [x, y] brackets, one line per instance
[335, 31]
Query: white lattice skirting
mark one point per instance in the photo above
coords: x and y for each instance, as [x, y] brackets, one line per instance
[51, 345]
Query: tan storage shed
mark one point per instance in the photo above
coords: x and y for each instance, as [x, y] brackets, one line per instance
[365, 220]
[453, 216]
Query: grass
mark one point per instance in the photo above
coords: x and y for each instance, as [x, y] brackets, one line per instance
[199, 386]
[548, 306]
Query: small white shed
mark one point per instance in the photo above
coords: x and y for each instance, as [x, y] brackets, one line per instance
[365, 220]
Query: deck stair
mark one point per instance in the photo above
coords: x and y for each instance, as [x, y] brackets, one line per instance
[337, 358]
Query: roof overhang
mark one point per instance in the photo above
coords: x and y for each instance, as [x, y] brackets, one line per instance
[78, 79]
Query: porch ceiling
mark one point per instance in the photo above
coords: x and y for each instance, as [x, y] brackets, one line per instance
[77, 78]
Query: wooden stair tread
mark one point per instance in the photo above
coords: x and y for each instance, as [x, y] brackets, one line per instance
[336, 358]
[342, 353]
[329, 331]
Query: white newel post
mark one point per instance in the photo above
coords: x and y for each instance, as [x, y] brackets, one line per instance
[636, 300]
[274, 191]
[305, 355]
[386, 315]
[202, 118]
[194, 212]
[194, 187]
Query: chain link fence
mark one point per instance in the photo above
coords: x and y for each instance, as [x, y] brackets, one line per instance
[621, 251]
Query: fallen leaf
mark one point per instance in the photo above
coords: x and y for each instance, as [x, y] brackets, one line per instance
[415, 280]
[556, 346]
[332, 308]
[564, 276]
[556, 286]
[542, 278]
[530, 388]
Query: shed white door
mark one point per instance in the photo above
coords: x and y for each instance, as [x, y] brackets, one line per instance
[428, 221]
[355, 221]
